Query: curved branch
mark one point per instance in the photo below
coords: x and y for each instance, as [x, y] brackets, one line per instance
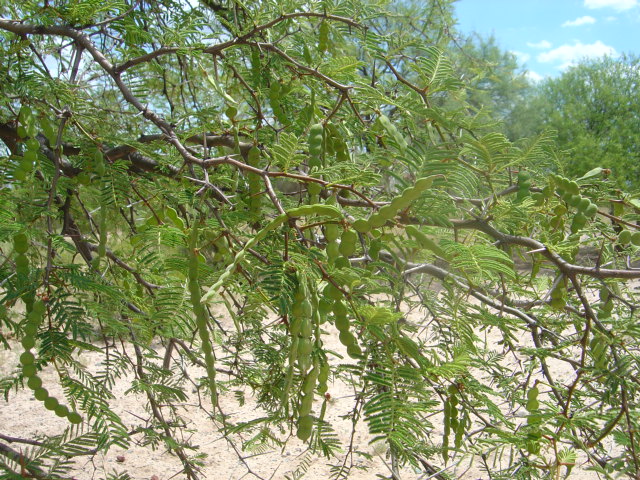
[564, 266]
[240, 40]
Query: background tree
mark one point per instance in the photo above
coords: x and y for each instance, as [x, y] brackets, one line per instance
[316, 176]
[595, 111]
[495, 82]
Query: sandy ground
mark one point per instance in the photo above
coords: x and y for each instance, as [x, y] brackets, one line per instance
[27, 418]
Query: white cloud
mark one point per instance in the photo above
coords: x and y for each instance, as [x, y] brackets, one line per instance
[534, 77]
[586, 20]
[567, 55]
[521, 56]
[542, 44]
[619, 5]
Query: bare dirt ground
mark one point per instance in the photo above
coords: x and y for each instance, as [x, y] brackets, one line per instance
[26, 417]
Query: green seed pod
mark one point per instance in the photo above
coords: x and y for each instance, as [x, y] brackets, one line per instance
[575, 200]
[342, 262]
[524, 186]
[309, 382]
[608, 306]
[316, 129]
[566, 196]
[424, 183]
[560, 209]
[207, 350]
[532, 393]
[579, 221]
[460, 429]
[538, 198]
[194, 290]
[28, 159]
[323, 39]
[331, 232]
[573, 188]
[49, 129]
[342, 323]
[339, 309]
[306, 404]
[325, 306]
[41, 394]
[307, 308]
[323, 374]
[300, 295]
[298, 310]
[333, 251]
[39, 308]
[374, 249]
[209, 362]
[34, 382]
[624, 238]
[399, 203]
[28, 342]
[332, 292]
[532, 405]
[377, 220]
[563, 183]
[27, 358]
[33, 144]
[346, 338]
[314, 188]
[61, 411]
[304, 363]
[74, 418]
[28, 370]
[34, 317]
[253, 156]
[348, 243]
[22, 263]
[584, 204]
[231, 112]
[556, 222]
[354, 350]
[558, 303]
[635, 239]
[30, 329]
[591, 210]
[51, 403]
[20, 243]
[523, 176]
[293, 349]
[387, 212]
[315, 150]
[534, 419]
[305, 424]
[295, 324]
[361, 226]
[306, 328]
[200, 312]
[305, 346]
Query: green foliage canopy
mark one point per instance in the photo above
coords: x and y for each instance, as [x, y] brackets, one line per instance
[316, 175]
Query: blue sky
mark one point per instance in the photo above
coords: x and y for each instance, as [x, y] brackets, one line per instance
[549, 35]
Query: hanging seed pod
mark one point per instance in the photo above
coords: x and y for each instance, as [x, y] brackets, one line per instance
[201, 313]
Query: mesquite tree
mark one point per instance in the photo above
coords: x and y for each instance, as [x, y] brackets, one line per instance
[314, 168]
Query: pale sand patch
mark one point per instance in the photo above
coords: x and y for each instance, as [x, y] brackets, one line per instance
[26, 417]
